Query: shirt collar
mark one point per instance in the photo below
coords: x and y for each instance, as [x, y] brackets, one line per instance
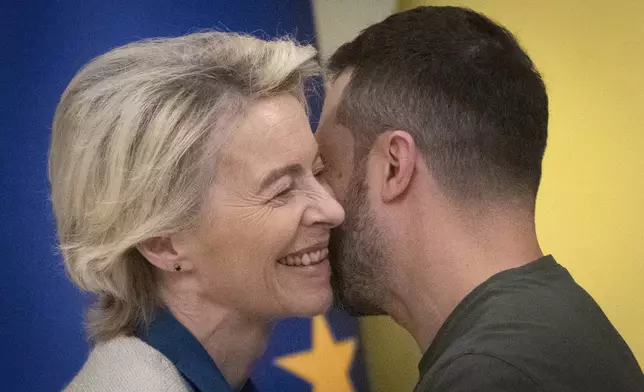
[175, 342]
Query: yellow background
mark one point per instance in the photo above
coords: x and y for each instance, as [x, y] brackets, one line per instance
[590, 212]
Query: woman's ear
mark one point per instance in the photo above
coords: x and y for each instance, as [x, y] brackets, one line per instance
[161, 252]
[401, 155]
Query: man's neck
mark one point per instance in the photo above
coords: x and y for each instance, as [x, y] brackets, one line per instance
[233, 341]
[449, 260]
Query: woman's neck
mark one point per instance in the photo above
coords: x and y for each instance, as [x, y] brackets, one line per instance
[232, 340]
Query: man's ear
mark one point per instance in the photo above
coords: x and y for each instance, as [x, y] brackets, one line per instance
[401, 156]
[161, 252]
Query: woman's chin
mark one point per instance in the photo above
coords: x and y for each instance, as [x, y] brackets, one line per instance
[306, 306]
[305, 291]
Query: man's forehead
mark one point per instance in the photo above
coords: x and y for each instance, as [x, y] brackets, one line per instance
[333, 93]
[334, 88]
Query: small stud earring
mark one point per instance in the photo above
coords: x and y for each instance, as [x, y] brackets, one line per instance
[177, 267]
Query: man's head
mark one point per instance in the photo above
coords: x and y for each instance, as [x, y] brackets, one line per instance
[443, 89]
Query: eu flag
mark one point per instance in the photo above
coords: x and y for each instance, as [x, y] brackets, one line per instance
[315, 355]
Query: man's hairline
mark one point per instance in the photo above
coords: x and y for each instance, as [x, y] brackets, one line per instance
[334, 76]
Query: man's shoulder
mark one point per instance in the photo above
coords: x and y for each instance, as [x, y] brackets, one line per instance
[547, 309]
[126, 364]
[477, 372]
[545, 330]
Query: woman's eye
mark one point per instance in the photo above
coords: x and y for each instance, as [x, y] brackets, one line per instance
[284, 193]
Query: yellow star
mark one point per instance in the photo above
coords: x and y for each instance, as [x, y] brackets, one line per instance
[326, 366]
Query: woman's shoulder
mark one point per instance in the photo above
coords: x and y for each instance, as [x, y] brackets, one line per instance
[127, 364]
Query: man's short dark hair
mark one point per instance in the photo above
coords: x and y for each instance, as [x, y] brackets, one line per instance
[462, 86]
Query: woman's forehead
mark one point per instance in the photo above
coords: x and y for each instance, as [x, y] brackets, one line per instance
[279, 120]
[274, 132]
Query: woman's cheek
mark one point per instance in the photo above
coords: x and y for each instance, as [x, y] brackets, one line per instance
[285, 222]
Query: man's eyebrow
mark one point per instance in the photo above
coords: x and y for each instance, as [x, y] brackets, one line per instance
[292, 170]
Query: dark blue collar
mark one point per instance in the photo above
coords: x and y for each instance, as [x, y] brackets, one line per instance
[175, 342]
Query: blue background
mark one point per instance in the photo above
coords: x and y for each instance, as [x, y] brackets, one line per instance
[43, 44]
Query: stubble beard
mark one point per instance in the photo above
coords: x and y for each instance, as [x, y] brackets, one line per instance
[356, 253]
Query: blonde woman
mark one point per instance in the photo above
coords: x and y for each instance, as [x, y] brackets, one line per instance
[185, 184]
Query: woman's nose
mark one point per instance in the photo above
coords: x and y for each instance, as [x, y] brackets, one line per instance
[324, 210]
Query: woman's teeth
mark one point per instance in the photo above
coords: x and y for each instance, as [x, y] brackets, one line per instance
[305, 259]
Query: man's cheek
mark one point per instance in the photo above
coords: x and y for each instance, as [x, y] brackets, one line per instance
[337, 184]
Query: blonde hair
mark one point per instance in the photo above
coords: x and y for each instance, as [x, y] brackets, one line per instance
[133, 144]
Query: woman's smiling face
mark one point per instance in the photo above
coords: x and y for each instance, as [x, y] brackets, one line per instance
[261, 245]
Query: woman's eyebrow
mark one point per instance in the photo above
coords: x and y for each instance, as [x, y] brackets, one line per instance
[292, 170]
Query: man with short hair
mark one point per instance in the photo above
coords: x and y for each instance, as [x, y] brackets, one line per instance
[433, 132]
